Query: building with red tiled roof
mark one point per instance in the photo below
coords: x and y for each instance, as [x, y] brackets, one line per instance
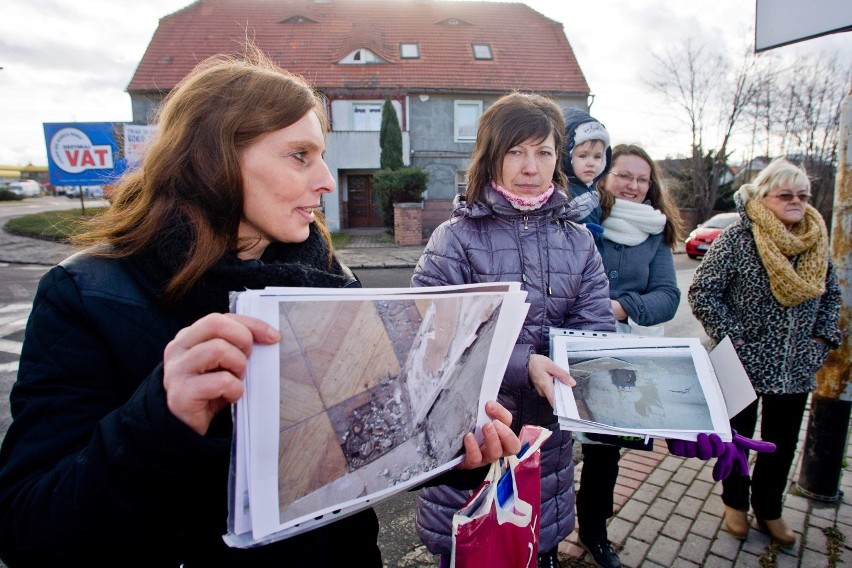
[440, 62]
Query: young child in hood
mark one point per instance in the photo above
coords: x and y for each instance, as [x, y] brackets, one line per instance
[586, 158]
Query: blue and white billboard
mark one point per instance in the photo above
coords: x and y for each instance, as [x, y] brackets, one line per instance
[83, 153]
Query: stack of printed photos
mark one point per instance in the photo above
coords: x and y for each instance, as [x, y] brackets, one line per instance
[628, 385]
[368, 393]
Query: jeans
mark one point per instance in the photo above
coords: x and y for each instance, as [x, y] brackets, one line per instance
[781, 420]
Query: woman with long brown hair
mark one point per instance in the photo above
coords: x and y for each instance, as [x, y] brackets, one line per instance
[118, 453]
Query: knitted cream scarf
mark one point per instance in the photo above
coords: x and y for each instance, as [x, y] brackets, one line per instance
[631, 223]
[791, 285]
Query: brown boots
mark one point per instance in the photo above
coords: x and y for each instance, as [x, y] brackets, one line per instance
[779, 530]
[736, 522]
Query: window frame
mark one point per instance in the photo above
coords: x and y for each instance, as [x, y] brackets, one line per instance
[477, 53]
[465, 103]
[367, 106]
[362, 56]
[414, 45]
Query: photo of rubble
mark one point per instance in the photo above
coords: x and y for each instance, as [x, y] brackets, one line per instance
[375, 391]
[639, 389]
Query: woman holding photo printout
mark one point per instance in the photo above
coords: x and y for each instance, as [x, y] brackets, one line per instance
[119, 448]
[768, 283]
[512, 225]
[641, 226]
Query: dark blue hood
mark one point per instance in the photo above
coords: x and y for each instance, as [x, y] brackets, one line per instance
[574, 117]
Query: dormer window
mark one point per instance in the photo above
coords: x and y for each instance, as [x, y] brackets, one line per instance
[409, 51]
[454, 22]
[482, 51]
[298, 20]
[361, 56]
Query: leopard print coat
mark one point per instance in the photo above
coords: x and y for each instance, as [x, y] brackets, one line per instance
[730, 296]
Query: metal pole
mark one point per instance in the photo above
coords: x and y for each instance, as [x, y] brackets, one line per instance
[828, 425]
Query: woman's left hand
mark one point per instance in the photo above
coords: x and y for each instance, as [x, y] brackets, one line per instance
[542, 371]
[499, 440]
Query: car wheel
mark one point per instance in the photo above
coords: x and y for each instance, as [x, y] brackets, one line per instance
[693, 256]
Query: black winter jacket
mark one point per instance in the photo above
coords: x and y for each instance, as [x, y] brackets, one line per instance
[95, 471]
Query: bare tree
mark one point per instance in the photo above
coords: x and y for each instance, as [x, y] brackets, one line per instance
[811, 92]
[712, 96]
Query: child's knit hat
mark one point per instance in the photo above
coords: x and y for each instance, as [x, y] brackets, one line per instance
[591, 130]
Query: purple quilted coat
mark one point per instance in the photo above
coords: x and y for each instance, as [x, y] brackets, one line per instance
[560, 268]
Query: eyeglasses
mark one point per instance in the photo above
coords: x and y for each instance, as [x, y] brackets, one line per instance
[788, 197]
[626, 178]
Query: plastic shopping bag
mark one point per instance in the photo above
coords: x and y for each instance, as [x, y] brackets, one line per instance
[498, 526]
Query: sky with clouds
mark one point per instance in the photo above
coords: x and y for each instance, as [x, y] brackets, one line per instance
[72, 61]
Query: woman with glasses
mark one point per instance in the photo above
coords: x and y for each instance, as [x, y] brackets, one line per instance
[768, 283]
[641, 227]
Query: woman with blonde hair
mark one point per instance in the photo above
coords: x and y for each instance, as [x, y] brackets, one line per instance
[768, 283]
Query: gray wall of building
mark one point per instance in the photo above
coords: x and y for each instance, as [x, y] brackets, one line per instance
[431, 126]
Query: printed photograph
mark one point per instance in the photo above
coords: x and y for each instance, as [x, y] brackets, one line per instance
[374, 392]
[639, 388]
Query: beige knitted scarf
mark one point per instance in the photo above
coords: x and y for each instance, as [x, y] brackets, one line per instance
[808, 239]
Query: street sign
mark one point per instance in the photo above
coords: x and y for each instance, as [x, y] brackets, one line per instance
[782, 22]
[83, 153]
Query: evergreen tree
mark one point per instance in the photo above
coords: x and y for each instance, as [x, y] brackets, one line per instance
[390, 138]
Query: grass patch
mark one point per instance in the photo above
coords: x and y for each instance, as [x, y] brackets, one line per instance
[61, 225]
[834, 540]
[340, 240]
[52, 225]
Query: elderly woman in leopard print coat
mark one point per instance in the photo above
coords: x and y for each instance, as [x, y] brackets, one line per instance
[768, 283]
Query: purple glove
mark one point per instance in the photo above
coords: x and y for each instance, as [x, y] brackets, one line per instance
[705, 447]
[735, 456]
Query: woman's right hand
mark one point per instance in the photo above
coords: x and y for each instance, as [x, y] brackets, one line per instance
[542, 371]
[203, 366]
[618, 311]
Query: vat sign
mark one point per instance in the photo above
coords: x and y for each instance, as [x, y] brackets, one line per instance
[82, 153]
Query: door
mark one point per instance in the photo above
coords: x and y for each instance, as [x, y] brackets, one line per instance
[363, 211]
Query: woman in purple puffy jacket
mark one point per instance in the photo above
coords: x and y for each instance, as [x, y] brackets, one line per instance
[512, 225]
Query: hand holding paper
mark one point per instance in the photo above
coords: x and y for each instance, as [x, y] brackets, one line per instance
[499, 440]
[542, 371]
[704, 448]
[214, 349]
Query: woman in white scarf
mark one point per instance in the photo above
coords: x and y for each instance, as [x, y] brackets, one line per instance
[641, 227]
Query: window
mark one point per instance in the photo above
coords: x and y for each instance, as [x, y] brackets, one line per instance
[361, 56]
[454, 22]
[466, 120]
[366, 116]
[482, 51]
[298, 20]
[409, 50]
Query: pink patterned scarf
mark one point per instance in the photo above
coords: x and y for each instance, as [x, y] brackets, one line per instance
[523, 203]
